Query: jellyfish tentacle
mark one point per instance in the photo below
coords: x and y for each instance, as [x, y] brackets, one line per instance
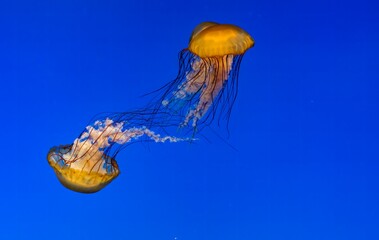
[213, 79]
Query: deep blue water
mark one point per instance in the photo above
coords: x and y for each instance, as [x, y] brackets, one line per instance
[304, 126]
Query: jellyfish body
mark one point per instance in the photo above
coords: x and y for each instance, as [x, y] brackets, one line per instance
[208, 73]
[86, 165]
[210, 39]
[88, 173]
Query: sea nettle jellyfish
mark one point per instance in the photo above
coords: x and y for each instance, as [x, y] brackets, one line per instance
[88, 164]
[207, 79]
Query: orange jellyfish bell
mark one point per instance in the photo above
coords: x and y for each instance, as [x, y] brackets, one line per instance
[210, 39]
[87, 173]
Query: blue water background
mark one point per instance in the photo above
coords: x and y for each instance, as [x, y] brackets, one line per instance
[305, 124]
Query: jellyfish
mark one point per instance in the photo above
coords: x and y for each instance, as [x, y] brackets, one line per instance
[207, 79]
[88, 164]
